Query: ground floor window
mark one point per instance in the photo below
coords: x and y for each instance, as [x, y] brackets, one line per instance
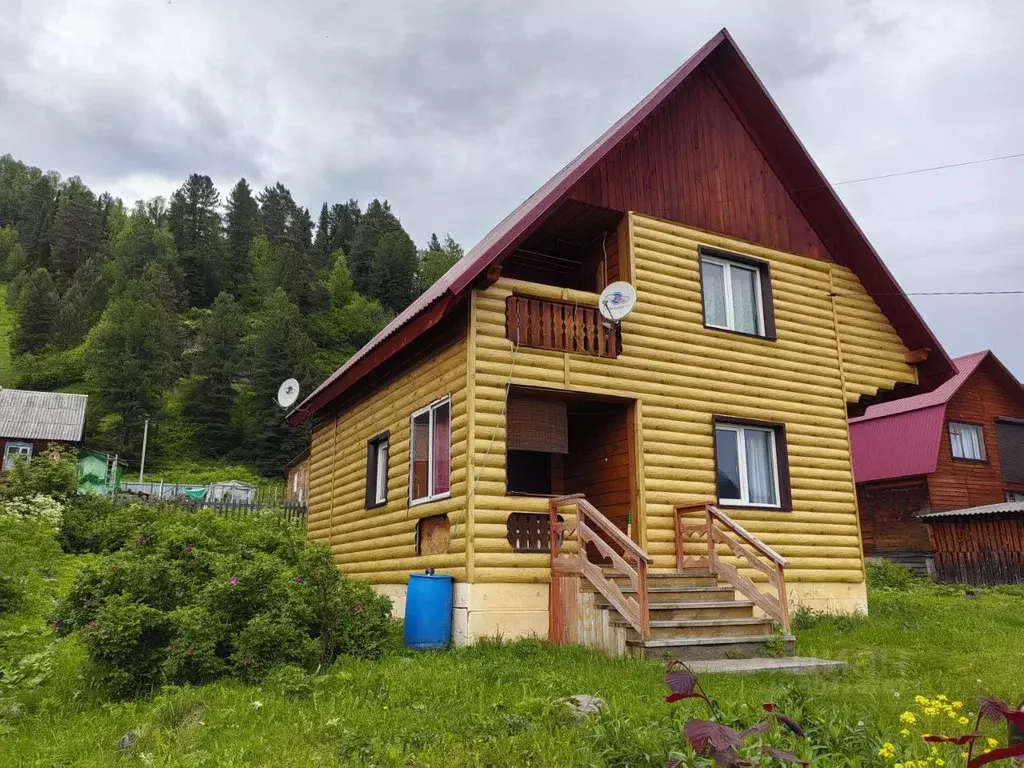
[430, 468]
[1015, 495]
[377, 471]
[748, 458]
[15, 451]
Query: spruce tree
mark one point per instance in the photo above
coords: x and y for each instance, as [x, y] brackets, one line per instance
[277, 349]
[83, 302]
[437, 260]
[218, 359]
[35, 218]
[242, 225]
[132, 355]
[343, 222]
[322, 242]
[194, 223]
[393, 271]
[283, 222]
[76, 231]
[339, 280]
[36, 312]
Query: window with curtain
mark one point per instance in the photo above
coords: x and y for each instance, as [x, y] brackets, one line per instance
[734, 295]
[377, 471]
[967, 441]
[747, 460]
[15, 451]
[430, 466]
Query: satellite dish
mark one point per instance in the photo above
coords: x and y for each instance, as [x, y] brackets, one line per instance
[288, 393]
[617, 301]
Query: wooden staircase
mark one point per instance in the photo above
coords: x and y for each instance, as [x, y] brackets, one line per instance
[693, 616]
[703, 610]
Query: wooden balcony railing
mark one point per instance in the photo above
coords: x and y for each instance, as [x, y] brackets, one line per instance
[569, 559]
[560, 325]
[717, 528]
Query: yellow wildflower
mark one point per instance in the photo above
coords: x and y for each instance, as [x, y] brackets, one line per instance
[887, 750]
[939, 761]
[921, 700]
[908, 718]
[992, 742]
[963, 721]
[931, 711]
[898, 765]
[904, 733]
[957, 705]
[941, 697]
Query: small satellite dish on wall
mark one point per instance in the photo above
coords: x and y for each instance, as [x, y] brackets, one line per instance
[617, 301]
[288, 393]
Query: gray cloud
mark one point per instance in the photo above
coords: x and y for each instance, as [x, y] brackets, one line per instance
[458, 110]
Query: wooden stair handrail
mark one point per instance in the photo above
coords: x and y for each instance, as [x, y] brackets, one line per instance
[594, 528]
[742, 532]
[775, 606]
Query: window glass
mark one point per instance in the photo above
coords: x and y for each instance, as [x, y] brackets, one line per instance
[728, 459]
[744, 299]
[421, 455]
[15, 451]
[381, 492]
[966, 441]
[760, 466]
[442, 448]
[714, 294]
[1015, 495]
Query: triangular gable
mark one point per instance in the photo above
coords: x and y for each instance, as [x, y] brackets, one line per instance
[815, 221]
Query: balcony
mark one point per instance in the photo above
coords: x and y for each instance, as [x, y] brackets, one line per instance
[560, 326]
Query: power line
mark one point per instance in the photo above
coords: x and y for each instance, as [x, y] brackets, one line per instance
[930, 169]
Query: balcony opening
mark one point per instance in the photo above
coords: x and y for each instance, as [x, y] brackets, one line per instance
[578, 246]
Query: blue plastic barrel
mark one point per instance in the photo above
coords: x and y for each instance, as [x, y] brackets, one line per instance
[428, 611]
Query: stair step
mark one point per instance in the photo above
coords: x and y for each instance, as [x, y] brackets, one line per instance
[675, 594]
[696, 609]
[684, 578]
[702, 628]
[708, 648]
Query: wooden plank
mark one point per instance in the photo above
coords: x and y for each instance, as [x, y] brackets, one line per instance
[628, 607]
[589, 536]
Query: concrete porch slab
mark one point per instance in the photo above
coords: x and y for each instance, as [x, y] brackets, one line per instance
[795, 665]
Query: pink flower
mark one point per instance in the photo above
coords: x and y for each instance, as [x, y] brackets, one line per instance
[59, 624]
[188, 549]
[233, 581]
[246, 662]
[92, 623]
[298, 579]
[358, 609]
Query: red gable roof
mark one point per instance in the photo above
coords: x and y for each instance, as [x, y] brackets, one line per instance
[781, 148]
[901, 438]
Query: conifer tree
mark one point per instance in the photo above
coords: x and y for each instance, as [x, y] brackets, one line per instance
[218, 360]
[194, 223]
[36, 312]
[242, 225]
[76, 232]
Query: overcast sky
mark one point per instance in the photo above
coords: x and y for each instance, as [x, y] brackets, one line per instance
[456, 111]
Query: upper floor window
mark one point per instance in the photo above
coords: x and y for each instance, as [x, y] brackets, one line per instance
[736, 293]
[377, 471]
[431, 440]
[967, 441]
[751, 464]
[15, 451]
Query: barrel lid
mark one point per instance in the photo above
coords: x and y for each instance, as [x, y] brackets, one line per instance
[430, 576]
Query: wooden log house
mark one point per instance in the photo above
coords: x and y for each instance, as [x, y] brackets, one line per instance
[673, 484]
[956, 448]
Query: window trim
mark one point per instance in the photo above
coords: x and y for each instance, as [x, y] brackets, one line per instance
[372, 474]
[780, 452]
[981, 441]
[431, 408]
[7, 453]
[765, 304]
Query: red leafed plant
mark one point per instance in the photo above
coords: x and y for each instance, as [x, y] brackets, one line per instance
[997, 711]
[721, 742]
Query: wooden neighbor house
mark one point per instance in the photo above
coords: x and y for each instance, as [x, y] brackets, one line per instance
[958, 447]
[30, 421]
[568, 472]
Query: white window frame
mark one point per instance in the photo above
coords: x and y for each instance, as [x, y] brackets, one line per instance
[961, 426]
[10, 460]
[730, 313]
[431, 495]
[741, 453]
[380, 482]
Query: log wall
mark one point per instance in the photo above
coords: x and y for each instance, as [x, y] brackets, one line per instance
[379, 544]
[828, 353]
[979, 549]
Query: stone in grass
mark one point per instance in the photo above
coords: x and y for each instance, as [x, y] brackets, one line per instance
[584, 705]
[127, 741]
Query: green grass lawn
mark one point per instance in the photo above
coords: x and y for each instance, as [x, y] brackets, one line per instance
[499, 704]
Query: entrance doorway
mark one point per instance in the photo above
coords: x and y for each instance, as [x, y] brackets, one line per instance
[562, 443]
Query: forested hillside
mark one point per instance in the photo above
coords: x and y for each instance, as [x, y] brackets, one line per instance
[191, 310]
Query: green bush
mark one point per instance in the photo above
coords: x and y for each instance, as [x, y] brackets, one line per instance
[28, 550]
[53, 473]
[887, 575]
[193, 597]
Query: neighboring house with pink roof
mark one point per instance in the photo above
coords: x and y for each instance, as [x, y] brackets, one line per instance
[956, 447]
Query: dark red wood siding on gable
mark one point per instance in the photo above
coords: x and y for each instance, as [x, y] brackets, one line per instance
[693, 162]
[956, 483]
